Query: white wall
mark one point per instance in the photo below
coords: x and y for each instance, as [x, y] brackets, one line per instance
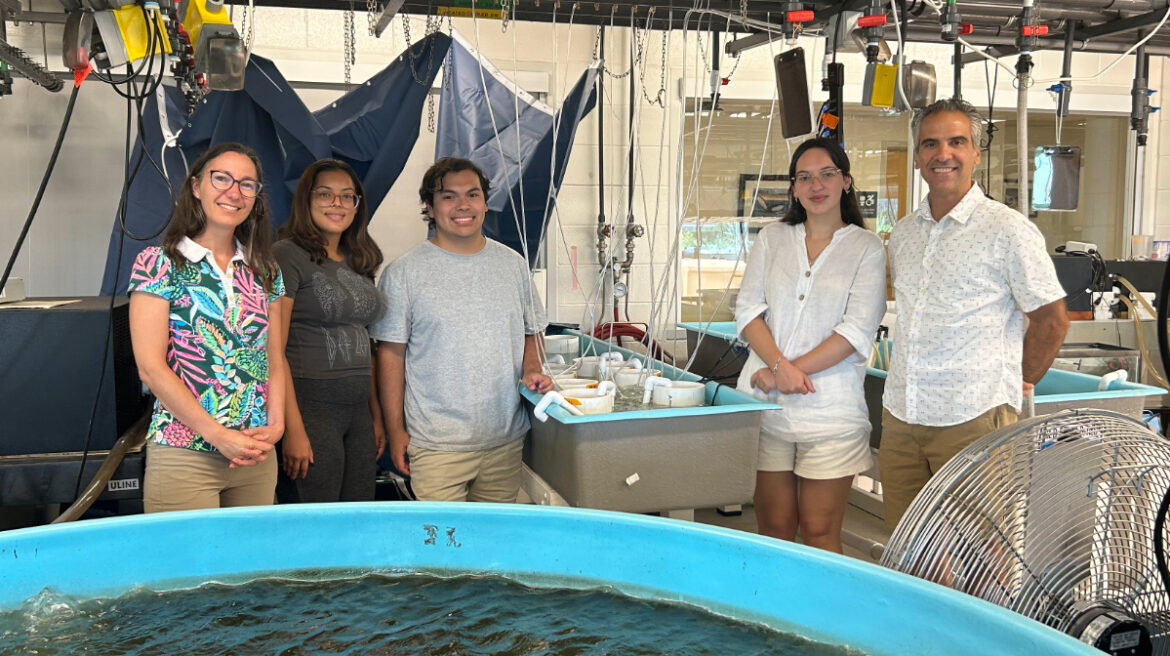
[66, 249]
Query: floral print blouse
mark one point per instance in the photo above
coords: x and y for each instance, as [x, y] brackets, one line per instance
[218, 338]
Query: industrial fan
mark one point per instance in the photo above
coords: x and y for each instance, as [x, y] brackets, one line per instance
[1054, 518]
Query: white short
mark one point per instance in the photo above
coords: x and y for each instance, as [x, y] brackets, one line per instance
[819, 460]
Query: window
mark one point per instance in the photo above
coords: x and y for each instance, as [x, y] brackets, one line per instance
[740, 187]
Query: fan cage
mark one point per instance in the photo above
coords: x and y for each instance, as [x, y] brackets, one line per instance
[1047, 517]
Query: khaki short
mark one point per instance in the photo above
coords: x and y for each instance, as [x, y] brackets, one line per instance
[823, 460]
[910, 454]
[492, 475]
[182, 479]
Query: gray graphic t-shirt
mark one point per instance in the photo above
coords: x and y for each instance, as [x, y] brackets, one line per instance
[332, 305]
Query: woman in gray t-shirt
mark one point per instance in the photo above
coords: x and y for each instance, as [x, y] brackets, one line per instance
[333, 429]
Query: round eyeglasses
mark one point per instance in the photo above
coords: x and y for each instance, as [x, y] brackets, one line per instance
[222, 180]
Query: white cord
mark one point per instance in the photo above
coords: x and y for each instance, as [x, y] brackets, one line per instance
[1115, 61]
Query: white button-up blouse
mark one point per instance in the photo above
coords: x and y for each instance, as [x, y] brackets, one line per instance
[843, 292]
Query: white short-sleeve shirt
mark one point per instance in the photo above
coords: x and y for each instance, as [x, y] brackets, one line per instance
[843, 292]
[962, 286]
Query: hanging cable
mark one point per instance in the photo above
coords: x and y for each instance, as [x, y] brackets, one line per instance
[32, 213]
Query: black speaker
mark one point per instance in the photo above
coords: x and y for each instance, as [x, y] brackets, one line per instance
[50, 360]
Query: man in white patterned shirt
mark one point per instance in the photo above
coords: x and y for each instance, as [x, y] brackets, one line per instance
[966, 270]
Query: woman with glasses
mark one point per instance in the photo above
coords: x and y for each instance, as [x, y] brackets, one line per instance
[333, 427]
[199, 322]
[812, 297]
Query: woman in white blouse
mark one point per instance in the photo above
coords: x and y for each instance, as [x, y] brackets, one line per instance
[813, 294]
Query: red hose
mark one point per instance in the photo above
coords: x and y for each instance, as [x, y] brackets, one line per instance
[618, 330]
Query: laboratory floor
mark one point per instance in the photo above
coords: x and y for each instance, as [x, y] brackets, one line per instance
[857, 521]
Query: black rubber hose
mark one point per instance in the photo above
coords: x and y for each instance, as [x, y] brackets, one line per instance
[1159, 548]
[41, 191]
[1164, 351]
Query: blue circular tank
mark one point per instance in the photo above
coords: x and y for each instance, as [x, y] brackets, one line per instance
[786, 586]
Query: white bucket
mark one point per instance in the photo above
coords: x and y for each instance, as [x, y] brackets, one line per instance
[587, 366]
[556, 369]
[632, 376]
[566, 345]
[679, 394]
[592, 401]
[565, 382]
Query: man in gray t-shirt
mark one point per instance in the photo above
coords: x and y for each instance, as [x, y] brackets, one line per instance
[460, 329]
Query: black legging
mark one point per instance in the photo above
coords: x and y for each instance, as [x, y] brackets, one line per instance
[337, 419]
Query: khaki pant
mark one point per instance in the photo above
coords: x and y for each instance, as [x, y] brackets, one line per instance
[182, 479]
[492, 475]
[910, 454]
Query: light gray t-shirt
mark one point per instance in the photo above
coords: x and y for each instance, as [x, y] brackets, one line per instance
[332, 305]
[463, 319]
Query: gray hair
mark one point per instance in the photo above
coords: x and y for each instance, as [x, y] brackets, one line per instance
[950, 105]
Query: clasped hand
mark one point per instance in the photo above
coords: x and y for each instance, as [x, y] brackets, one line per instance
[788, 379]
[250, 446]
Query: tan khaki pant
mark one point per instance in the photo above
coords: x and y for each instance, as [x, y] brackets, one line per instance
[492, 475]
[182, 479]
[910, 454]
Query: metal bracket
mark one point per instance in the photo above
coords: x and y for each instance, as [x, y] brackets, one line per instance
[388, 13]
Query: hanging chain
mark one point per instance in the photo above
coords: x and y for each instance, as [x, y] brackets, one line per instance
[433, 24]
[406, 35]
[659, 97]
[504, 14]
[246, 27]
[350, 47]
[372, 15]
[597, 45]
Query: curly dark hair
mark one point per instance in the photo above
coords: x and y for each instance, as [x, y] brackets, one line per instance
[361, 252]
[433, 181]
[254, 234]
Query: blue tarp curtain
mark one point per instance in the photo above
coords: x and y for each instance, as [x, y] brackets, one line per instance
[373, 127]
[485, 117]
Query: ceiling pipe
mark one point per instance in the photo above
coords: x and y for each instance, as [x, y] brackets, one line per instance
[930, 34]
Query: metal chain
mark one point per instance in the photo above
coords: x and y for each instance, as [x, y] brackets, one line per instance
[596, 46]
[430, 28]
[504, 15]
[350, 47]
[406, 32]
[372, 15]
[246, 27]
[659, 97]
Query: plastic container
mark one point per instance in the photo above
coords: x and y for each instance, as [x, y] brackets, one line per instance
[702, 457]
[841, 600]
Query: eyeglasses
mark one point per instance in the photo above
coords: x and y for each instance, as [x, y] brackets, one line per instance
[825, 176]
[325, 198]
[222, 180]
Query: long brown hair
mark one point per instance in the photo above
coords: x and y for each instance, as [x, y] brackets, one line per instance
[361, 253]
[254, 234]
